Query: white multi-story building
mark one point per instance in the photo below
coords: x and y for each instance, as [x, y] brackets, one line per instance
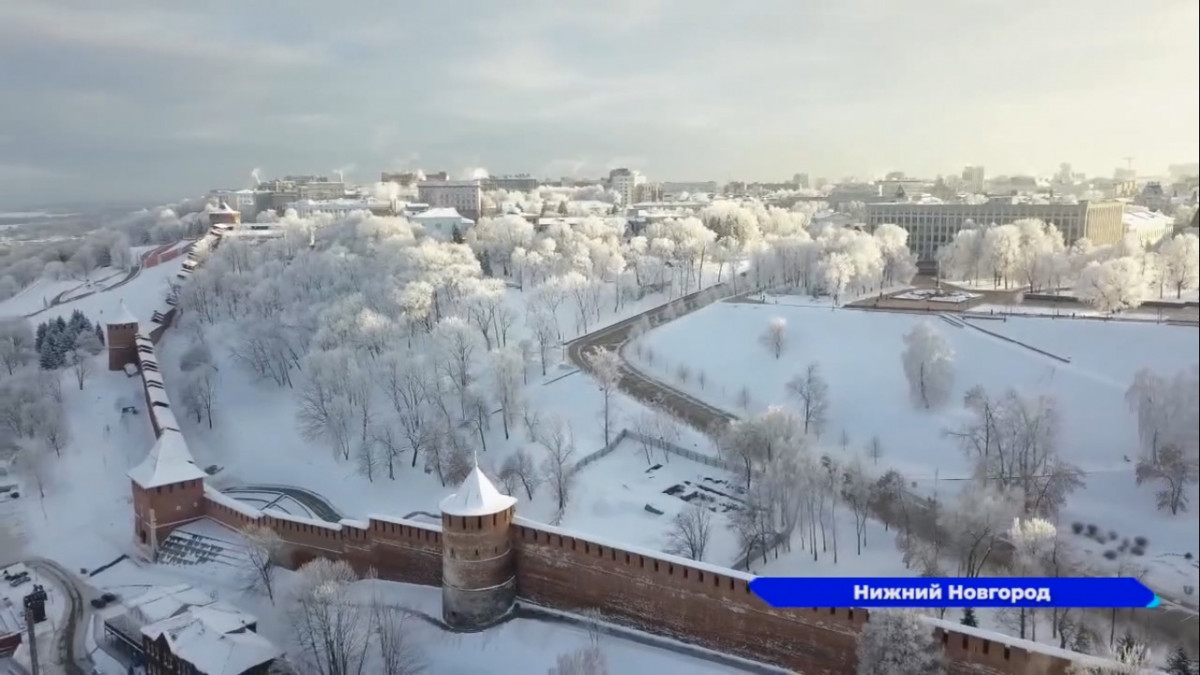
[1149, 226]
[464, 196]
[243, 201]
[341, 207]
[625, 182]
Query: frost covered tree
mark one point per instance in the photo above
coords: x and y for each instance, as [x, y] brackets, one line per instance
[812, 393]
[1128, 657]
[976, 523]
[898, 642]
[263, 550]
[82, 355]
[691, 530]
[1180, 260]
[507, 366]
[928, 363]
[331, 631]
[50, 425]
[396, 647]
[1168, 415]
[557, 466]
[520, 469]
[199, 392]
[605, 365]
[1113, 285]
[1013, 442]
[1033, 541]
[17, 344]
[856, 491]
[774, 338]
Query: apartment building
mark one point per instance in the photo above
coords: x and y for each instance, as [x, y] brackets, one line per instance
[931, 225]
[625, 182]
[464, 196]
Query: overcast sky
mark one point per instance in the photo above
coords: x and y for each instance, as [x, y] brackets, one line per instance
[131, 99]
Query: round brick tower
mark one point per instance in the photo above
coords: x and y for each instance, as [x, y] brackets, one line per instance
[479, 583]
[120, 335]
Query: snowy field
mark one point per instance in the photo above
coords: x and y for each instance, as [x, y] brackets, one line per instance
[40, 293]
[142, 296]
[859, 355]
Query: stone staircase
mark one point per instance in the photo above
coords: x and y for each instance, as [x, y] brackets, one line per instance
[190, 548]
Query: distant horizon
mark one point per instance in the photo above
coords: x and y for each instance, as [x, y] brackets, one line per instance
[151, 202]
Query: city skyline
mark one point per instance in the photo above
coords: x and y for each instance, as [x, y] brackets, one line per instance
[139, 101]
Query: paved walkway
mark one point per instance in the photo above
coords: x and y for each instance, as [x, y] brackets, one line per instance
[73, 645]
[320, 506]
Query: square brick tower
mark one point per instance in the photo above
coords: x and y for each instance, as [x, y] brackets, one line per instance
[168, 490]
[121, 337]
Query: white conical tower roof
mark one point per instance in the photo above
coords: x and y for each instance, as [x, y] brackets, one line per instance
[169, 462]
[476, 497]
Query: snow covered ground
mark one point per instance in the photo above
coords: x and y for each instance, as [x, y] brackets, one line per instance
[40, 293]
[142, 296]
[858, 353]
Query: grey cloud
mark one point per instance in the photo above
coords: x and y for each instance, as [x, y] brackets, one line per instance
[139, 98]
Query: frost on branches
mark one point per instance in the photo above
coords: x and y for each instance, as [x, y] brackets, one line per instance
[928, 364]
[1168, 420]
[898, 642]
[1013, 443]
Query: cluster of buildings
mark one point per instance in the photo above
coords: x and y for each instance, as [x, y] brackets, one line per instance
[933, 211]
[181, 629]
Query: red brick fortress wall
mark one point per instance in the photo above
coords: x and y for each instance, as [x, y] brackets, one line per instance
[714, 607]
[393, 548]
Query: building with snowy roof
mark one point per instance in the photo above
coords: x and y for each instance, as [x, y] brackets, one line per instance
[441, 223]
[1149, 226]
[181, 629]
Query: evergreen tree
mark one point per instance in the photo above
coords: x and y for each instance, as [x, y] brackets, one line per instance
[1179, 663]
[456, 236]
[40, 337]
[562, 208]
[100, 334]
[485, 264]
[77, 321]
[968, 618]
[60, 324]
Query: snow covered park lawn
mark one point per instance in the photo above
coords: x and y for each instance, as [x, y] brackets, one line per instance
[40, 293]
[858, 353]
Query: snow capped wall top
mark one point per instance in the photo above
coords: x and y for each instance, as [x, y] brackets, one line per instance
[476, 497]
[169, 462]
